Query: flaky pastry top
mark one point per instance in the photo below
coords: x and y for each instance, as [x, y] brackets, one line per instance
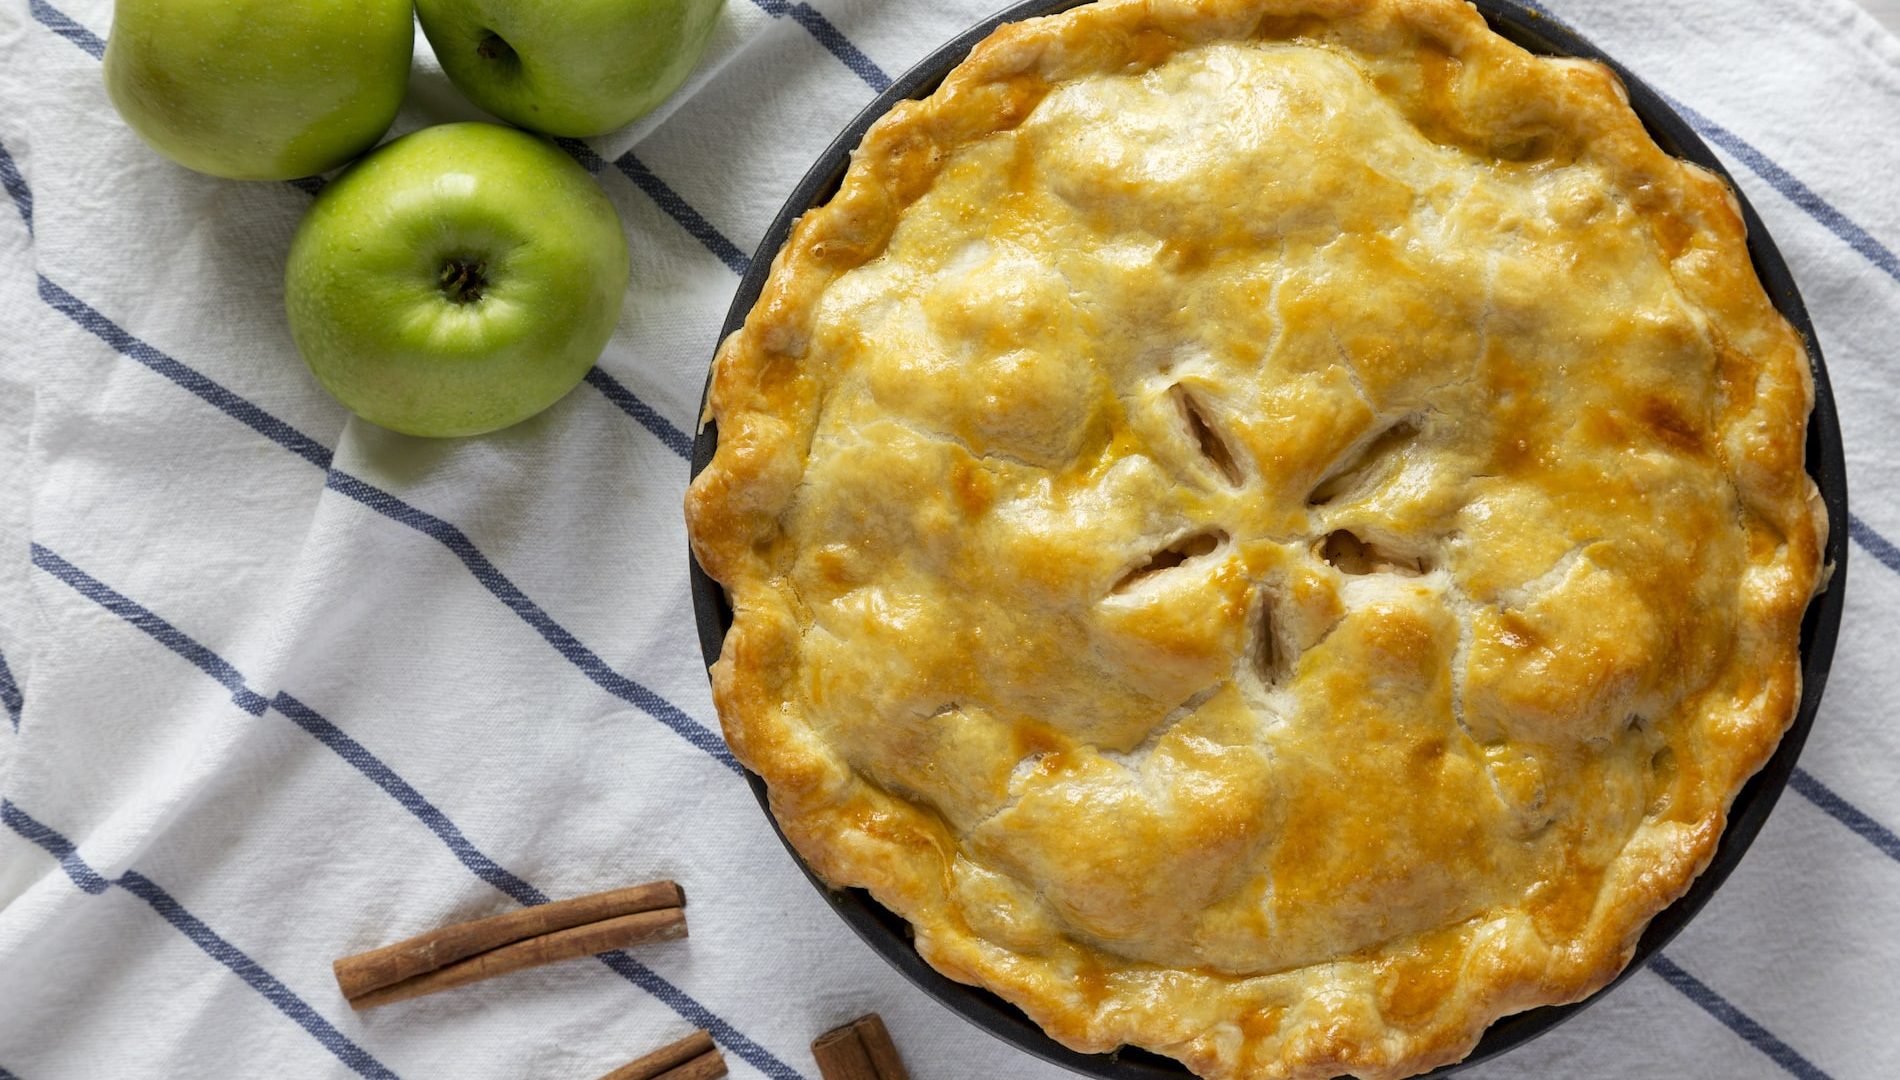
[1269, 530]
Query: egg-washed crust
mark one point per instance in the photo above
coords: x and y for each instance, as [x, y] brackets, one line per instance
[1387, 1008]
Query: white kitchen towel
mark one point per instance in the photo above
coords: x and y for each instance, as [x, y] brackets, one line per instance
[280, 686]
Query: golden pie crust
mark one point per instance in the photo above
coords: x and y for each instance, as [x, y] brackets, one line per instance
[1268, 530]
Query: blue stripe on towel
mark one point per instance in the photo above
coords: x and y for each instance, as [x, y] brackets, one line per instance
[667, 199]
[59, 23]
[1877, 545]
[60, 848]
[695, 1013]
[1735, 1019]
[662, 428]
[10, 695]
[372, 767]
[833, 39]
[1845, 812]
[681, 211]
[156, 628]
[201, 935]
[15, 184]
[412, 800]
[322, 730]
[582, 153]
[226, 402]
[451, 537]
[552, 632]
[247, 969]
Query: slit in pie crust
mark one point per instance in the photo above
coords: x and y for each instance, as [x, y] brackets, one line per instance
[1268, 530]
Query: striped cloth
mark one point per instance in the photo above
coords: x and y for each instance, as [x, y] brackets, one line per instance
[280, 686]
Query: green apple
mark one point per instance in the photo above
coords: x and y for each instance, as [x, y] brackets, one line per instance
[259, 89]
[568, 67]
[456, 281]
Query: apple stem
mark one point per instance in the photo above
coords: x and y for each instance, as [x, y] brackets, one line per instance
[463, 280]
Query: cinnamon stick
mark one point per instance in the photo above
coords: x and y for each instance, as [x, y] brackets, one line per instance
[860, 1050]
[707, 1066]
[665, 924]
[692, 1058]
[359, 975]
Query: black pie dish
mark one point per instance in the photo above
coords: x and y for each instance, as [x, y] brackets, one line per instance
[890, 936]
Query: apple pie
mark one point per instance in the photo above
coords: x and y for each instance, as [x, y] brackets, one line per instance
[1269, 530]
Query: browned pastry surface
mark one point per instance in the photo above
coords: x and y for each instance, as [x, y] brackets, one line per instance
[1269, 530]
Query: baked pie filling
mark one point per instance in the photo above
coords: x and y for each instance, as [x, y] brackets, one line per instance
[1269, 530]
